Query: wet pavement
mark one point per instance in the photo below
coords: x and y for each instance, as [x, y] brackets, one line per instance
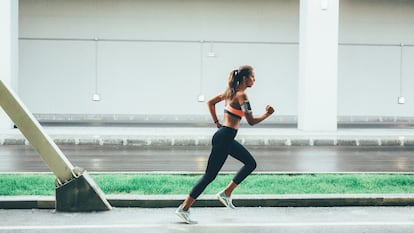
[23, 158]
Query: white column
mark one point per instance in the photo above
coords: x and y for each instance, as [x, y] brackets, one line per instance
[9, 12]
[318, 62]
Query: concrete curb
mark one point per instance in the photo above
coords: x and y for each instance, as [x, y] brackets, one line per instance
[269, 141]
[164, 201]
[201, 136]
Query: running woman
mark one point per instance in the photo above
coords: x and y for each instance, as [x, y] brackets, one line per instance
[237, 105]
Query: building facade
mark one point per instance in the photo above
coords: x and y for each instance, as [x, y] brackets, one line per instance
[166, 57]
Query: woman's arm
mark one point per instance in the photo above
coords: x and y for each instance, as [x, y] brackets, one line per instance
[212, 108]
[252, 120]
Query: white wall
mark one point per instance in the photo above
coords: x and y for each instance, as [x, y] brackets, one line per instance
[369, 75]
[369, 82]
[149, 58]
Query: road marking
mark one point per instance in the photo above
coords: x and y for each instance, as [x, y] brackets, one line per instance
[129, 226]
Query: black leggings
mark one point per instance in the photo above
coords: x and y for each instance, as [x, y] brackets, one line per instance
[224, 144]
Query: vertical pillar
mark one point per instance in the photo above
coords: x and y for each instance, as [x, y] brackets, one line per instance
[9, 11]
[318, 62]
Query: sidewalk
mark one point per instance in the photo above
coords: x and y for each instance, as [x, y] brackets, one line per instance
[201, 136]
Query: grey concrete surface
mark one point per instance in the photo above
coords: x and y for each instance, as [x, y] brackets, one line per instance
[286, 220]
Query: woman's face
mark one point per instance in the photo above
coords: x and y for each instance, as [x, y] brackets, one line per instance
[250, 80]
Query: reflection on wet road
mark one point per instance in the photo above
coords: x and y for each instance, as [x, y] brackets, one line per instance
[18, 158]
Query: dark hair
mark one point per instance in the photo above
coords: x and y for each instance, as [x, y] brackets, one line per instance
[236, 78]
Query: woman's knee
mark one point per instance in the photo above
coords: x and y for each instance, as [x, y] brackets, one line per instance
[252, 165]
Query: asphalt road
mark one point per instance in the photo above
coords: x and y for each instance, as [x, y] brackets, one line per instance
[19, 158]
[257, 220]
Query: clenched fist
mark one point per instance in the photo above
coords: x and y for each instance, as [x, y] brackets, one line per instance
[269, 109]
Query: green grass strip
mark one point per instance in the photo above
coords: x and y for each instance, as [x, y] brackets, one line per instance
[43, 184]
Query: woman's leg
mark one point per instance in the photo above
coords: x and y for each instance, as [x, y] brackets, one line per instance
[215, 162]
[240, 153]
[188, 202]
[221, 142]
[229, 189]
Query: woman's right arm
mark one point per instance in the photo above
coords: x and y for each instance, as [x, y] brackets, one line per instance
[211, 103]
[252, 120]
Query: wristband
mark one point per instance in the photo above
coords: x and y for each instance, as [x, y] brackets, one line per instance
[215, 122]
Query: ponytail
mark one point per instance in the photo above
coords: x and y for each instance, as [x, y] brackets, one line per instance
[236, 78]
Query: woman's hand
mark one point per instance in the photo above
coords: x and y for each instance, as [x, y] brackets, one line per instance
[269, 109]
[218, 125]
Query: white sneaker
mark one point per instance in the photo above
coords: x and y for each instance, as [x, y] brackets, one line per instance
[184, 215]
[225, 200]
